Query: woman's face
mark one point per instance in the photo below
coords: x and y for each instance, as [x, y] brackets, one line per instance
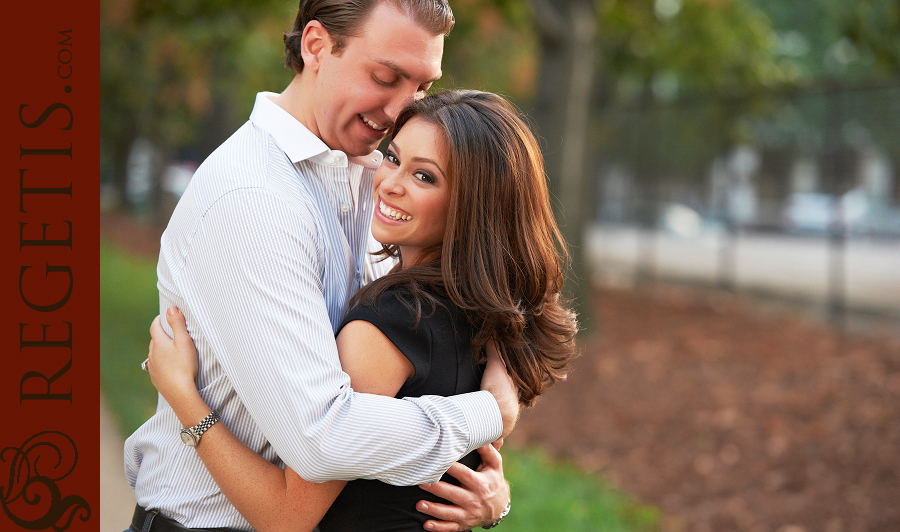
[412, 190]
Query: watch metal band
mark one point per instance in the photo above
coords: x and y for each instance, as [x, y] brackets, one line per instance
[502, 516]
[191, 436]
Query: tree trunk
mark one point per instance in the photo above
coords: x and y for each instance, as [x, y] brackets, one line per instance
[567, 32]
[119, 179]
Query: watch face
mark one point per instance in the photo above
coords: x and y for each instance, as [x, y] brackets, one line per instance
[188, 438]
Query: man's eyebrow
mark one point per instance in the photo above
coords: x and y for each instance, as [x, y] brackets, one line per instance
[402, 72]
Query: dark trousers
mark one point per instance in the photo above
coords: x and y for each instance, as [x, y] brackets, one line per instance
[153, 521]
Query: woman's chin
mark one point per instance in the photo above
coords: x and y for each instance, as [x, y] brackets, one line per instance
[382, 237]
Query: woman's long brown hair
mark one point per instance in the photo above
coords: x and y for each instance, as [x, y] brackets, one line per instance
[502, 257]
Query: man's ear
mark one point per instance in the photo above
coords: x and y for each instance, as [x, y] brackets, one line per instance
[314, 43]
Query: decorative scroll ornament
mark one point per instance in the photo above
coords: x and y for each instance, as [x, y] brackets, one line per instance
[32, 498]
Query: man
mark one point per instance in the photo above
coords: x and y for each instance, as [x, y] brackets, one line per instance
[262, 255]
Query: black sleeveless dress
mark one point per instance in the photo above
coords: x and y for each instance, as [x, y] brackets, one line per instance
[440, 350]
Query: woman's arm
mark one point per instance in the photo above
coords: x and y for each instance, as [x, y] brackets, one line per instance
[270, 498]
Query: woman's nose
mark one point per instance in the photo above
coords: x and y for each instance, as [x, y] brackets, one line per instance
[392, 184]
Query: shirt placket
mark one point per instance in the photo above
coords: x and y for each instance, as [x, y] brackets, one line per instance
[347, 210]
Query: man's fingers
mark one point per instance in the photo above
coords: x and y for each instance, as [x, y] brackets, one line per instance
[444, 526]
[446, 491]
[469, 479]
[445, 516]
[490, 457]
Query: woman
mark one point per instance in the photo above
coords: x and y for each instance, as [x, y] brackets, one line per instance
[462, 202]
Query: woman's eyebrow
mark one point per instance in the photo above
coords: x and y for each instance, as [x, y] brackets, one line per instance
[427, 160]
[394, 147]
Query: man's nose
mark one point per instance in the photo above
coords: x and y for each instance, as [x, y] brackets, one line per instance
[398, 103]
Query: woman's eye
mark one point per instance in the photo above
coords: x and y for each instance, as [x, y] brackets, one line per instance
[391, 158]
[424, 177]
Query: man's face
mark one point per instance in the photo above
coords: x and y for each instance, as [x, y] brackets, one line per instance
[392, 61]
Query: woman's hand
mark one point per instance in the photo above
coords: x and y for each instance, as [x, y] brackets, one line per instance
[173, 364]
[496, 379]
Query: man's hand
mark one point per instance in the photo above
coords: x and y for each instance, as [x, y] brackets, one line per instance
[497, 381]
[479, 500]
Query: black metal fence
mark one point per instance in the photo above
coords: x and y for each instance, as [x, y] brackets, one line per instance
[814, 169]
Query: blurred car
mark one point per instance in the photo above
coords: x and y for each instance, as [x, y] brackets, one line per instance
[807, 212]
[855, 213]
[681, 220]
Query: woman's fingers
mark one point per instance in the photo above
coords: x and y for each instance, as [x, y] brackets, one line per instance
[175, 318]
[156, 330]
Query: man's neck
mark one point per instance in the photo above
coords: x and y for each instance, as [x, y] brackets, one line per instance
[292, 99]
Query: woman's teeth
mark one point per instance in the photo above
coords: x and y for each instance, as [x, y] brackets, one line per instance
[371, 124]
[392, 214]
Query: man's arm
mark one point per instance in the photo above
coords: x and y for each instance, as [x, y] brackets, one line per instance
[255, 295]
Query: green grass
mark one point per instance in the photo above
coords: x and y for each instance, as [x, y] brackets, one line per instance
[546, 495]
[551, 495]
[128, 303]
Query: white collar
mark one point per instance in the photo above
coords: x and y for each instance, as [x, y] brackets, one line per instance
[298, 142]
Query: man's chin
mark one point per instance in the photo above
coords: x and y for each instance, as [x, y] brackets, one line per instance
[364, 148]
[367, 139]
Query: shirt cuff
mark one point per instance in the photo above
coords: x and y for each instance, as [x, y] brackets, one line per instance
[482, 416]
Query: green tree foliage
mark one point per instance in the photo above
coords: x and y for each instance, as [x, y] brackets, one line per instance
[677, 46]
[177, 71]
[831, 39]
[492, 48]
[874, 27]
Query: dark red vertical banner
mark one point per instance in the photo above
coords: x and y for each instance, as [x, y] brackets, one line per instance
[49, 272]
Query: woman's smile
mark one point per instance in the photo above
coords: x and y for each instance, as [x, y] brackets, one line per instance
[392, 213]
[412, 192]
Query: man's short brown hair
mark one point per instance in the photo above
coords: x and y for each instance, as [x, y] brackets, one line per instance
[343, 18]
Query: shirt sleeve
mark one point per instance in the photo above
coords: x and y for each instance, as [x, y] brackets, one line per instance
[252, 284]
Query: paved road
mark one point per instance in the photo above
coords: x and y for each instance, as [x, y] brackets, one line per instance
[792, 266]
[116, 496]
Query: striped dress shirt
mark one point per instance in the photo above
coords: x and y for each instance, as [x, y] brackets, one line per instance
[262, 254]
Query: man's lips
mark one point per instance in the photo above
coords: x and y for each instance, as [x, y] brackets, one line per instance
[372, 125]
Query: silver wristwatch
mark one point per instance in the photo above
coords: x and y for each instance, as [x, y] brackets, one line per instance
[502, 515]
[191, 436]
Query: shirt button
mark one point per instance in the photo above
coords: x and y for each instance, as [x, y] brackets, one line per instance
[345, 207]
[338, 159]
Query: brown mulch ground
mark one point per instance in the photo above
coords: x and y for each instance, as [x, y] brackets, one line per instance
[727, 417]
[730, 418]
